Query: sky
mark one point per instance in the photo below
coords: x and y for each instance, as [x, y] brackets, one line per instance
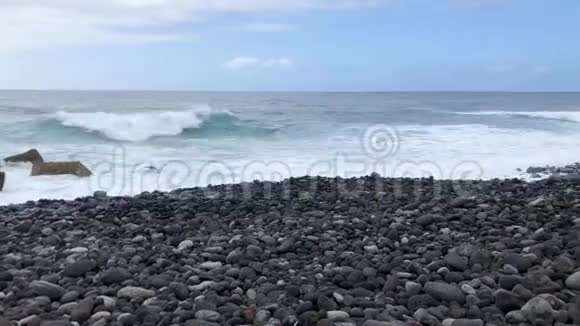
[291, 45]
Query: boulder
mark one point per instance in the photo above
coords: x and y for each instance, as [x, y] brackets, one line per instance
[537, 310]
[57, 168]
[2, 179]
[31, 156]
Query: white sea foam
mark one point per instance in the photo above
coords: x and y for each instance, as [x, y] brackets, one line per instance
[570, 116]
[445, 151]
[136, 127]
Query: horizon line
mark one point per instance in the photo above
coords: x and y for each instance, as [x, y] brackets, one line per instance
[277, 91]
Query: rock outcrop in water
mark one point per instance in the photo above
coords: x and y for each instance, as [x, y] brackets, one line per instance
[58, 168]
[30, 156]
[40, 167]
[314, 251]
[569, 171]
[2, 180]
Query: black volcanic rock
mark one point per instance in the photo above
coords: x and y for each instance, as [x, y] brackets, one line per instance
[310, 250]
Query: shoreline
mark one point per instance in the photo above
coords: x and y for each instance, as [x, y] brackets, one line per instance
[531, 174]
[318, 251]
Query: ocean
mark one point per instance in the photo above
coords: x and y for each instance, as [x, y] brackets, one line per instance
[145, 141]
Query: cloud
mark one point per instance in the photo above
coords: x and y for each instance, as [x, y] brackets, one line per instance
[267, 27]
[280, 63]
[242, 62]
[46, 23]
[238, 63]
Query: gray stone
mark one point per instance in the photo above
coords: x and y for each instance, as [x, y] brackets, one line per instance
[70, 296]
[115, 275]
[208, 315]
[199, 322]
[44, 288]
[135, 293]
[100, 194]
[412, 288]
[515, 317]
[563, 264]
[538, 309]
[32, 320]
[507, 301]
[373, 249]
[254, 252]
[383, 323]
[326, 303]
[56, 323]
[98, 316]
[184, 245]
[209, 265]
[83, 310]
[262, 316]
[425, 318]
[126, 319]
[457, 262]
[554, 302]
[337, 315]
[573, 281]
[79, 268]
[444, 291]
[107, 302]
[67, 308]
[518, 261]
[468, 289]
[463, 322]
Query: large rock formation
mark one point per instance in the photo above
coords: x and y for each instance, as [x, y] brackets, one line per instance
[2, 179]
[40, 167]
[56, 168]
[31, 156]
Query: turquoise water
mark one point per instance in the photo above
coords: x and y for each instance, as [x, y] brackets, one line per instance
[201, 138]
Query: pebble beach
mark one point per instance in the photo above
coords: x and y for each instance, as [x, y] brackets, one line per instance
[306, 251]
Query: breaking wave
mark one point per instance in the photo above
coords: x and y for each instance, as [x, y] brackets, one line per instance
[142, 126]
[565, 116]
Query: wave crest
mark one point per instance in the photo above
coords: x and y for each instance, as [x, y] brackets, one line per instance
[567, 116]
[136, 127]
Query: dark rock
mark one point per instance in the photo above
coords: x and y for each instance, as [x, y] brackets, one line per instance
[309, 318]
[79, 268]
[518, 261]
[83, 310]
[538, 310]
[421, 301]
[197, 322]
[326, 303]
[29, 156]
[56, 323]
[509, 281]
[53, 291]
[444, 292]
[507, 301]
[115, 275]
[456, 262]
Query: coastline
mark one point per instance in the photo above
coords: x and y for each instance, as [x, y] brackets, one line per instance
[313, 250]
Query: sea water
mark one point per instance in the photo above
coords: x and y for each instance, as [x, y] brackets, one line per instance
[145, 141]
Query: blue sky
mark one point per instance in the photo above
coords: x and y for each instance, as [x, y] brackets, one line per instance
[328, 45]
